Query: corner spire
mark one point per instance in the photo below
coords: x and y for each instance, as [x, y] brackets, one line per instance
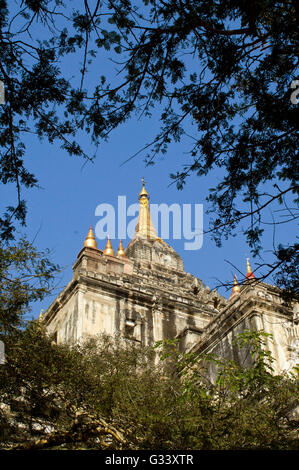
[108, 249]
[235, 289]
[90, 241]
[249, 274]
[145, 227]
[121, 251]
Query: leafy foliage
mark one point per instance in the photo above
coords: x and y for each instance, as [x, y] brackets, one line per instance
[26, 275]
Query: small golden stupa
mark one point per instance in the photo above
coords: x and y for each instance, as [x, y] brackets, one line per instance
[235, 289]
[121, 251]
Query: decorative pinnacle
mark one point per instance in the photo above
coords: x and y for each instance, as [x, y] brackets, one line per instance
[120, 251]
[143, 191]
[249, 274]
[236, 288]
[145, 227]
[108, 249]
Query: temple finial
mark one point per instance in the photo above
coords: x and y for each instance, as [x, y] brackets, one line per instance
[120, 251]
[249, 274]
[236, 288]
[90, 241]
[108, 249]
[145, 227]
[40, 317]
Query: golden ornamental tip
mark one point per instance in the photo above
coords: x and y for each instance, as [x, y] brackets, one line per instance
[40, 318]
[90, 240]
[236, 288]
[249, 274]
[143, 191]
[108, 249]
[120, 251]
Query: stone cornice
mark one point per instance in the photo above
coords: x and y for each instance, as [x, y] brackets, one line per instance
[60, 301]
[143, 288]
[116, 284]
[248, 303]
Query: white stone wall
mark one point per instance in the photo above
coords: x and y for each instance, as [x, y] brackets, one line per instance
[65, 322]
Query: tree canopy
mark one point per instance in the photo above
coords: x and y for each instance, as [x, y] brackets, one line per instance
[26, 275]
[220, 73]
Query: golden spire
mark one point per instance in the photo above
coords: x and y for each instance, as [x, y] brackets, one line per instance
[108, 249]
[249, 274]
[40, 317]
[90, 240]
[145, 227]
[121, 251]
[236, 288]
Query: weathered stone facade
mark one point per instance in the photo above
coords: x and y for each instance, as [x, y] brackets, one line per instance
[144, 295]
[142, 298]
[258, 306]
